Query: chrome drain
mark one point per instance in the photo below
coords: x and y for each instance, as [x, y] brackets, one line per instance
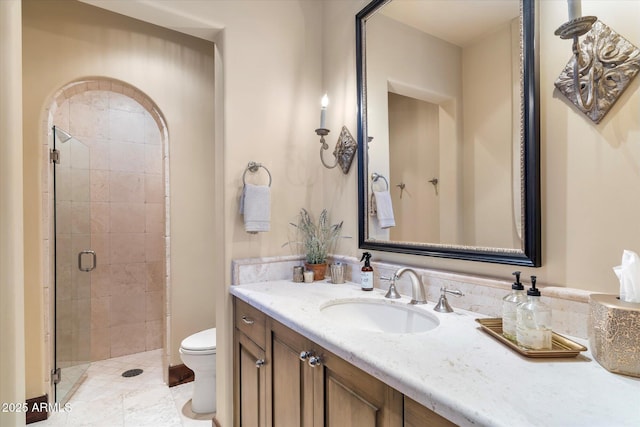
[132, 373]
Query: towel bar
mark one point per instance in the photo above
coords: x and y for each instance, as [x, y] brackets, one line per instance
[253, 167]
[376, 176]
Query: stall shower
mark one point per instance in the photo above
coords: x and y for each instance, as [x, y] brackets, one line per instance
[109, 228]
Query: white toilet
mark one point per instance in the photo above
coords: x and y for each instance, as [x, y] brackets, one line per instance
[198, 352]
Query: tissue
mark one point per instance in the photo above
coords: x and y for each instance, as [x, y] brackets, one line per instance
[629, 275]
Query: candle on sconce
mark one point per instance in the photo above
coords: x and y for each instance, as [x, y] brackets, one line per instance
[575, 9]
[323, 110]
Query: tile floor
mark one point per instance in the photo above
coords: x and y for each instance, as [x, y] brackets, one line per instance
[107, 399]
[69, 378]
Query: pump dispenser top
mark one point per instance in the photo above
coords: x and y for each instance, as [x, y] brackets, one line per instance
[533, 291]
[517, 285]
[366, 257]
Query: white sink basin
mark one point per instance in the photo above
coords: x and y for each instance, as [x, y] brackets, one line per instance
[379, 316]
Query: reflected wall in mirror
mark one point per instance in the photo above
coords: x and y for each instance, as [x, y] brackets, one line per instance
[448, 102]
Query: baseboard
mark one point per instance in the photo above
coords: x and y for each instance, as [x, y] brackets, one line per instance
[180, 374]
[37, 409]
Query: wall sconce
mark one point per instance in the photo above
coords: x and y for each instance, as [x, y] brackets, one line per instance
[602, 65]
[345, 147]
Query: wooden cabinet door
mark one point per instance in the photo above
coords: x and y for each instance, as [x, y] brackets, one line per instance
[291, 379]
[416, 415]
[353, 398]
[250, 402]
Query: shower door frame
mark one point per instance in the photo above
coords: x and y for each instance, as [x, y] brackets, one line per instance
[56, 373]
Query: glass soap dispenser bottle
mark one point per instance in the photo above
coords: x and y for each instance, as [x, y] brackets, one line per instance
[509, 306]
[533, 321]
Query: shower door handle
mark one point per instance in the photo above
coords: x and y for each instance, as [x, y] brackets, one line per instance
[93, 260]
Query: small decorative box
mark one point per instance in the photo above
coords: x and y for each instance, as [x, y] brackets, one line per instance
[614, 334]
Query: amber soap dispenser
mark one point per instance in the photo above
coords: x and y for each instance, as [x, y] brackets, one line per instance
[366, 273]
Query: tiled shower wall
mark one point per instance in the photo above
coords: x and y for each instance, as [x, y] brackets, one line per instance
[125, 219]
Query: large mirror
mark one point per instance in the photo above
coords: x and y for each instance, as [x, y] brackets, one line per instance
[448, 129]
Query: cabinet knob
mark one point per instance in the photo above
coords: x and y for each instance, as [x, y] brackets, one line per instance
[248, 320]
[259, 363]
[315, 361]
[304, 355]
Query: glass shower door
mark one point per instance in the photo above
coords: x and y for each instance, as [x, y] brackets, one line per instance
[73, 261]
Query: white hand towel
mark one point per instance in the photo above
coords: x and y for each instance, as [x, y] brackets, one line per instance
[255, 205]
[385, 209]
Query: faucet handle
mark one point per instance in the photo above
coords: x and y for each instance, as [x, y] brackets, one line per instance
[392, 293]
[454, 292]
[443, 305]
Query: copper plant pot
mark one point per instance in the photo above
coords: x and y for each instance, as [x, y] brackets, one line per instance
[319, 270]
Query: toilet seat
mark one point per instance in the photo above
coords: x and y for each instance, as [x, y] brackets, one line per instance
[198, 353]
[203, 342]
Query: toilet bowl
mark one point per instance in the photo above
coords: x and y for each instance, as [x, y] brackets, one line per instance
[198, 353]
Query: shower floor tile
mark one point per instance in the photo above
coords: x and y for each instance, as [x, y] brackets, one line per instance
[108, 399]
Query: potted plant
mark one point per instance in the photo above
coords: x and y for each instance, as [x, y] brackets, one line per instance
[317, 240]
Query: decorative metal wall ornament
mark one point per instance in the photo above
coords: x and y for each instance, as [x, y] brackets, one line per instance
[603, 65]
[344, 152]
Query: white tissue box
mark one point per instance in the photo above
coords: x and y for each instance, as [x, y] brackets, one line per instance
[614, 333]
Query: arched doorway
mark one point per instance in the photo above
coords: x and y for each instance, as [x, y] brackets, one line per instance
[105, 204]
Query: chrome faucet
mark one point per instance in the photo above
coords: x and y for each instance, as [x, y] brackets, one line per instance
[418, 295]
[392, 293]
[443, 305]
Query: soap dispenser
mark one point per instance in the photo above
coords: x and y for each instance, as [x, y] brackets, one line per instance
[509, 306]
[366, 274]
[533, 321]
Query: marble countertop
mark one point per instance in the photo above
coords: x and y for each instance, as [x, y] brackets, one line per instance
[456, 369]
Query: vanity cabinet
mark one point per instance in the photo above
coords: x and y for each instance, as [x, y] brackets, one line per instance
[301, 384]
[249, 370]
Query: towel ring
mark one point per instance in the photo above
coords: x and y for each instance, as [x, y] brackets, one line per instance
[253, 167]
[376, 176]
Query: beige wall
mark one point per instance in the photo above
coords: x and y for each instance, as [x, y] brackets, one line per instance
[66, 40]
[12, 350]
[487, 116]
[271, 56]
[414, 160]
[590, 174]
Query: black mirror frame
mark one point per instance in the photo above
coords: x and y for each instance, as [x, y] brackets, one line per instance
[531, 254]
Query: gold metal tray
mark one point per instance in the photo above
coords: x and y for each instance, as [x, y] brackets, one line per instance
[560, 346]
